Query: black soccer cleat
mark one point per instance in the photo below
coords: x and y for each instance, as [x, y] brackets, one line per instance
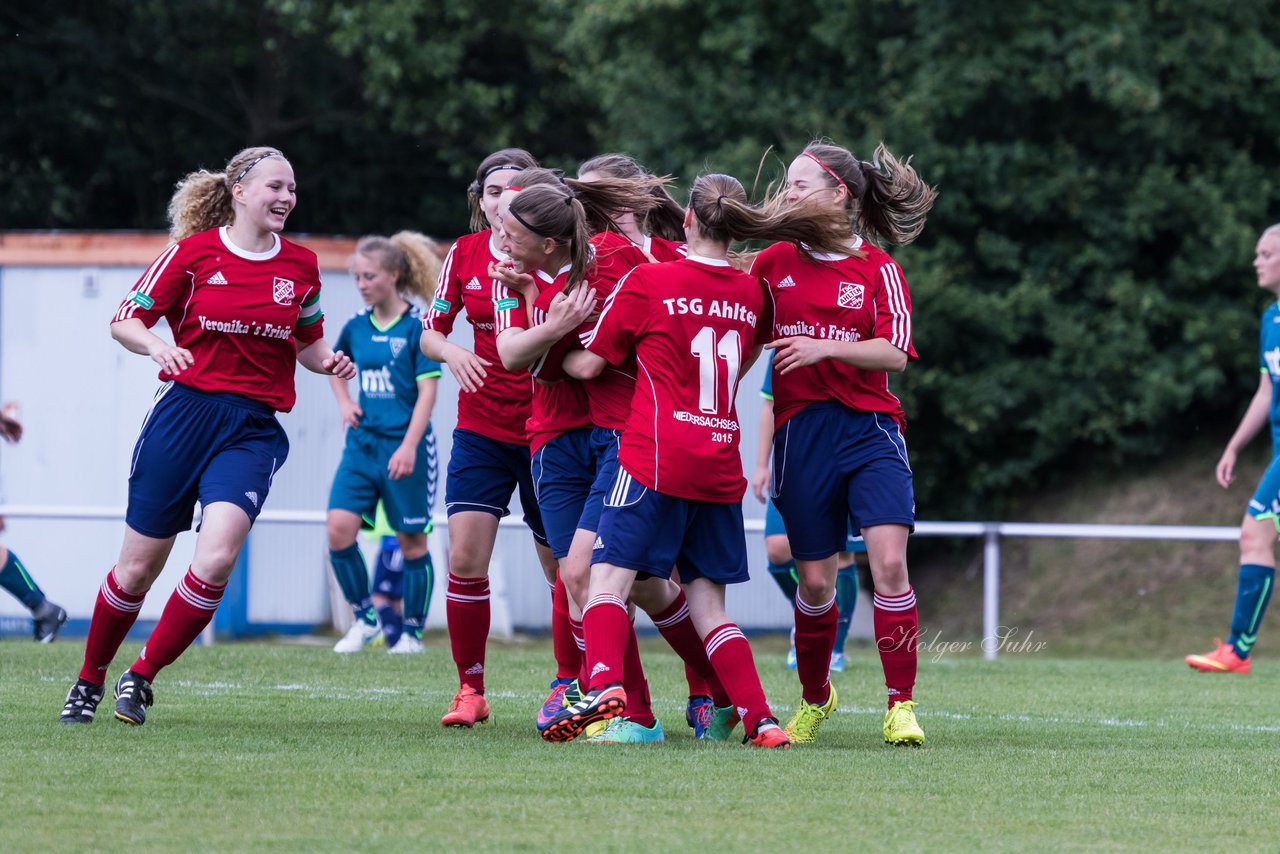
[48, 619]
[82, 703]
[133, 695]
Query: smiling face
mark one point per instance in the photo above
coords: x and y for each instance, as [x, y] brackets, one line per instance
[266, 196]
[805, 178]
[1266, 262]
[490, 194]
[526, 249]
[375, 283]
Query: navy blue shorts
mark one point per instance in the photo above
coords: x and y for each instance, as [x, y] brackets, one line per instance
[832, 466]
[649, 532]
[563, 470]
[483, 473]
[362, 479]
[773, 526]
[604, 448]
[197, 446]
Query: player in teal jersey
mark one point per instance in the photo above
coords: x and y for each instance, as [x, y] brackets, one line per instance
[1262, 517]
[782, 566]
[48, 617]
[390, 453]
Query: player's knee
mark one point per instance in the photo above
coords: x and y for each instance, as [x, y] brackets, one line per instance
[777, 549]
[890, 575]
[1257, 543]
[412, 546]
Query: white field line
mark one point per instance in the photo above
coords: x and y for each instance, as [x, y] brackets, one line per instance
[319, 692]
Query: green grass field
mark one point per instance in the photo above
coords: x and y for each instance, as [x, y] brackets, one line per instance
[288, 747]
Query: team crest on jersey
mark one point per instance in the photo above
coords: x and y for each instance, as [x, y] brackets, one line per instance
[850, 295]
[282, 290]
[474, 284]
[397, 344]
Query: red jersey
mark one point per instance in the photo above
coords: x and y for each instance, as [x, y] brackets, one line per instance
[500, 408]
[690, 324]
[845, 298]
[559, 402]
[238, 312]
[661, 249]
[611, 392]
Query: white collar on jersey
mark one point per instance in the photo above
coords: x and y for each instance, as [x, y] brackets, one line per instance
[710, 262]
[547, 277]
[838, 256]
[225, 234]
[493, 246]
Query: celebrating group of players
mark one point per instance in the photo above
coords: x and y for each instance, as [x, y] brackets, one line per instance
[611, 327]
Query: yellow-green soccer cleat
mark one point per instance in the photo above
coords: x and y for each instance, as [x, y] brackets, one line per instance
[900, 725]
[804, 724]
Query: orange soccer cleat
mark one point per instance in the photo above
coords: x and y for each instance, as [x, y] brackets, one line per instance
[769, 735]
[1221, 660]
[467, 709]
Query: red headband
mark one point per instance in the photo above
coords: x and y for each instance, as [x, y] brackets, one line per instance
[827, 169]
[513, 188]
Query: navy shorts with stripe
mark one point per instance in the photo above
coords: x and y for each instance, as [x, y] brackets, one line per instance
[483, 473]
[197, 446]
[563, 471]
[362, 479]
[604, 448]
[833, 466]
[649, 532]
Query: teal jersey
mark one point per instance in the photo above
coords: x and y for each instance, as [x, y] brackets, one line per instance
[766, 390]
[1269, 363]
[389, 364]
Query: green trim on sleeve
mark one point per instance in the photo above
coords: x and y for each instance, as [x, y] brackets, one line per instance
[766, 395]
[429, 375]
[315, 318]
[315, 298]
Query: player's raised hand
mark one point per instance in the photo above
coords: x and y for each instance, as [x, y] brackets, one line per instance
[340, 365]
[172, 360]
[467, 368]
[505, 271]
[797, 352]
[568, 310]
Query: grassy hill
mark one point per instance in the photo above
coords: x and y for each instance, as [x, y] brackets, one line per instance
[1108, 597]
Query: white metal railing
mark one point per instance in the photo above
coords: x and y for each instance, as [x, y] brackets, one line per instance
[990, 532]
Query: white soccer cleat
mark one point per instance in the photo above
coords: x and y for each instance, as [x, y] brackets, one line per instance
[407, 644]
[360, 635]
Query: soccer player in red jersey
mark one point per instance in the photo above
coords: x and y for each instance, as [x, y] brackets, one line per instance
[657, 232]
[490, 456]
[243, 304]
[842, 323]
[693, 326]
[545, 231]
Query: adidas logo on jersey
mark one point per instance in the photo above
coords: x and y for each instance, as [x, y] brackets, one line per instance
[216, 279]
[476, 669]
[788, 282]
[600, 665]
[253, 497]
[474, 284]
[599, 544]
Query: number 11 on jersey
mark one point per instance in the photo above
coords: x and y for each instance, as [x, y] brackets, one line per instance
[707, 349]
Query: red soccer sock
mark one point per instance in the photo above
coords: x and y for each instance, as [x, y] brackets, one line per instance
[815, 638]
[185, 615]
[580, 640]
[730, 654]
[466, 608]
[678, 631]
[897, 627]
[605, 624]
[639, 709]
[568, 655]
[114, 613]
